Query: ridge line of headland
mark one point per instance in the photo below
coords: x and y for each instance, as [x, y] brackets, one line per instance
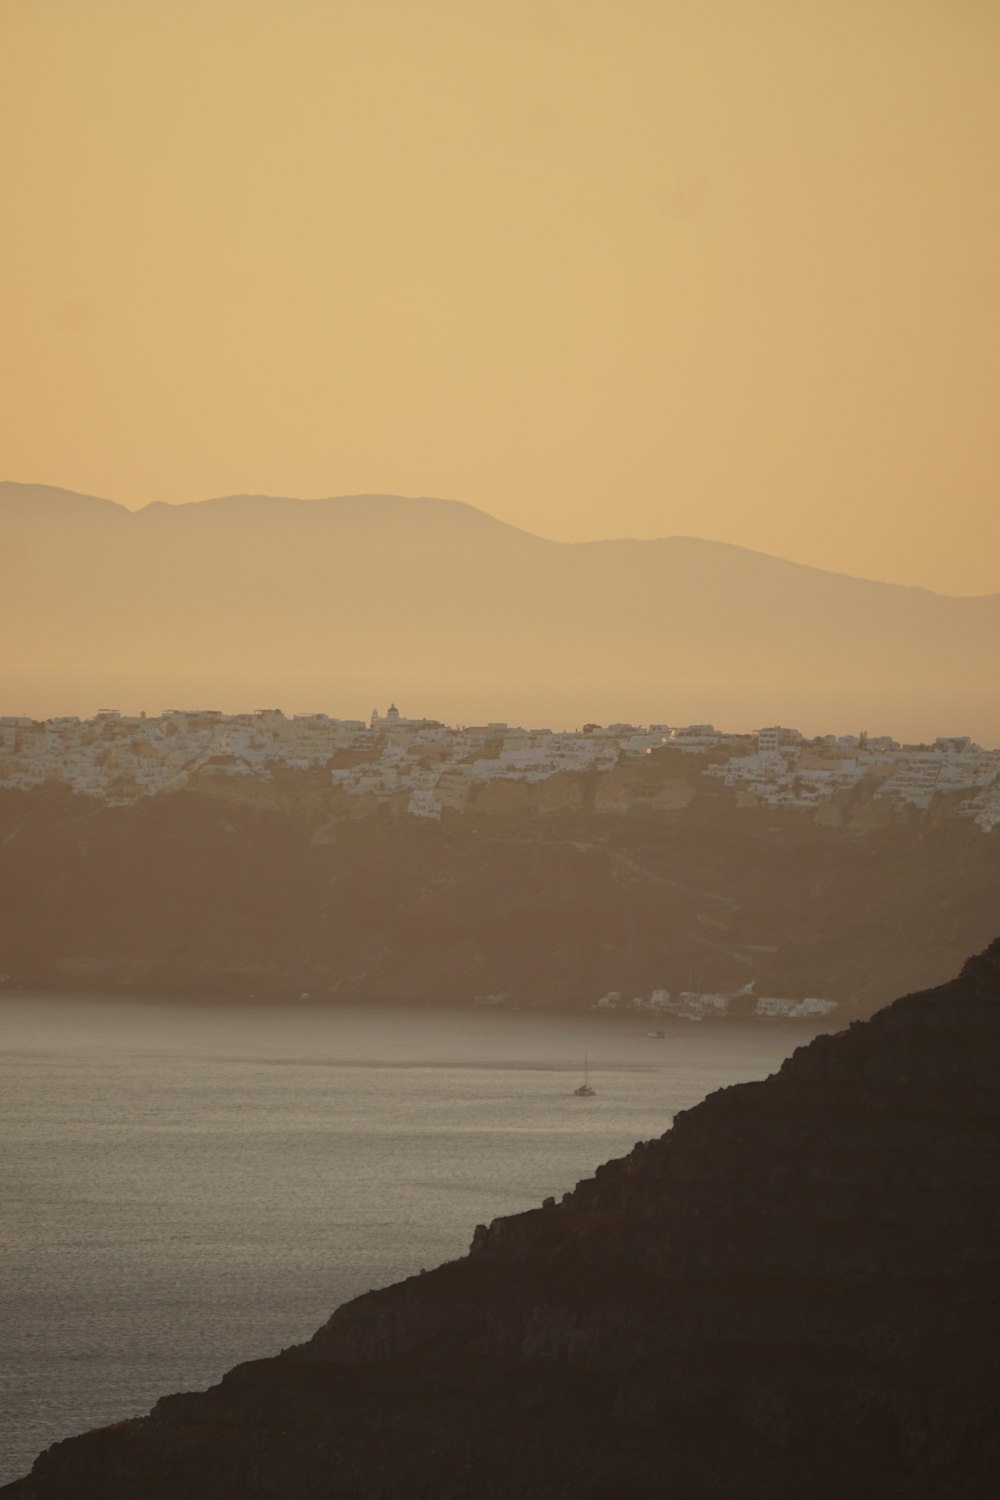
[300, 503]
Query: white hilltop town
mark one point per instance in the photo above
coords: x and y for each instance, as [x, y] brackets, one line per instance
[431, 769]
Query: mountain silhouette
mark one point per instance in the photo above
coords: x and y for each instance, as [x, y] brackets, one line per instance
[332, 605]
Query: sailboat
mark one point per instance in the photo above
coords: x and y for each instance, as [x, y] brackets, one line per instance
[585, 1091]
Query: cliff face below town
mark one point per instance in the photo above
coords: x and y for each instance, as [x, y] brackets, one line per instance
[793, 1292]
[651, 876]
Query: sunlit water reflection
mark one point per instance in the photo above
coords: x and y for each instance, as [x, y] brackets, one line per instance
[186, 1187]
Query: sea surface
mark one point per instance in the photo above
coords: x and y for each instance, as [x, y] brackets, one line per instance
[183, 1187]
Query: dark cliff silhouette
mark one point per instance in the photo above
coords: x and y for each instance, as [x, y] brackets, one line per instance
[793, 1292]
[341, 603]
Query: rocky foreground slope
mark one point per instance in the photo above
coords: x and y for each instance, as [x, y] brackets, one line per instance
[794, 1292]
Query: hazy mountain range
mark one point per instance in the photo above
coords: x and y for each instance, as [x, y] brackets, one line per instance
[343, 603]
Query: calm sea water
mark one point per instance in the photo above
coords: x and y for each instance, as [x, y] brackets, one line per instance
[182, 1187]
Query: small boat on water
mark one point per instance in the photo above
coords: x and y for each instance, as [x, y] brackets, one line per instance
[658, 1034]
[585, 1091]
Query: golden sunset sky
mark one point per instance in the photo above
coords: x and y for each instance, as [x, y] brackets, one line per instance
[601, 267]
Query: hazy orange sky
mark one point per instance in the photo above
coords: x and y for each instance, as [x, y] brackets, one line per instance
[602, 267]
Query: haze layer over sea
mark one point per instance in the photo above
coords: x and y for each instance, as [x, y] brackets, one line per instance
[186, 1187]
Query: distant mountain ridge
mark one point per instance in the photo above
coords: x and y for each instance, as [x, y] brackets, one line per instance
[390, 504]
[69, 500]
[335, 604]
